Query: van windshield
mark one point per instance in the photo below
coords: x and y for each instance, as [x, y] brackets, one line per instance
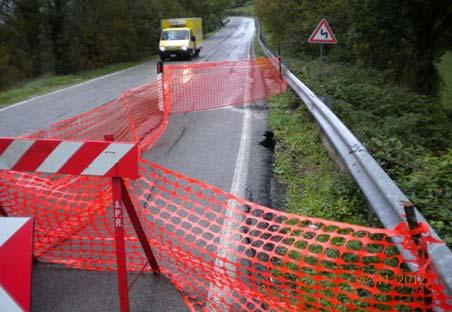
[175, 34]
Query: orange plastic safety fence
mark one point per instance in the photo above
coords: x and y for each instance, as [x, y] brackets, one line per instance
[60, 205]
[139, 115]
[213, 85]
[222, 252]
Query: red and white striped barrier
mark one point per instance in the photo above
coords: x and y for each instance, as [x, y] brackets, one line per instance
[16, 236]
[109, 159]
[101, 158]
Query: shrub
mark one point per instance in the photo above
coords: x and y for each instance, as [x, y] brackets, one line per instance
[408, 134]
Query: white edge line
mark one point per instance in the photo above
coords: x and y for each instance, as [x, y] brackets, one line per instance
[238, 189]
[70, 87]
[240, 178]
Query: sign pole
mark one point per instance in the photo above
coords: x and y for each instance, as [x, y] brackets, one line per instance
[322, 34]
[279, 59]
[321, 62]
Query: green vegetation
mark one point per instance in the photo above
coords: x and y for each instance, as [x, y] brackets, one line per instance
[376, 87]
[241, 11]
[409, 135]
[49, 83]
[315, 187]
[445, 70]
[41, 37]
[404, 38]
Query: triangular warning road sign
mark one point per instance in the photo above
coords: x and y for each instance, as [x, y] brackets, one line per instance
[322, 33]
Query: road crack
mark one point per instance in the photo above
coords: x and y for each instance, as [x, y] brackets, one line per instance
[181, 134]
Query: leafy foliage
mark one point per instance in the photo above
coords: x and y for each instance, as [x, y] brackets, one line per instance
[408, 134]
[403, 37]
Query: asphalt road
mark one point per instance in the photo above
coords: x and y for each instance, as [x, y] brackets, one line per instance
[220, 147]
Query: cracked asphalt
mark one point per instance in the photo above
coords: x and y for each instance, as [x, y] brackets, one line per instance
[203, 145]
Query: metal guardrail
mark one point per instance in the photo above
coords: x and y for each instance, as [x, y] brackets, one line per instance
[382, 193]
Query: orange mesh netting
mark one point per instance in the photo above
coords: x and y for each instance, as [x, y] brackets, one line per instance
[221, 252]
[204, 86]
[137, 115]
[141, 114]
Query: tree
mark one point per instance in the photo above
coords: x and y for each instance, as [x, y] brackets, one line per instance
[57, 26]
[408, 36]
[64, 36]
[404, 37]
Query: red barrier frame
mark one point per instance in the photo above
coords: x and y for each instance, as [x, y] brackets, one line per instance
[126, 167]
[121, 199]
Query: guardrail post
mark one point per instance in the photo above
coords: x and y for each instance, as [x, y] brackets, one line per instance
[422, 253]
[412, 220]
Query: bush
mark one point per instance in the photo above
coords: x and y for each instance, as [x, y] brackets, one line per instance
[212, 22]
[430, 187]
[408, 134]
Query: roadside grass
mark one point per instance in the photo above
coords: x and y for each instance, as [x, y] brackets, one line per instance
[241, 11]
[315, 187]
[445, 70]
[49, 83]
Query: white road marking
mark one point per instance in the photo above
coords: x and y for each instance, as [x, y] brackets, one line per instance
[240, 178]
[68, 88]
[238, 188]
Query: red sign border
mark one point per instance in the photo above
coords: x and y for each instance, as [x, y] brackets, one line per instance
[316, 30]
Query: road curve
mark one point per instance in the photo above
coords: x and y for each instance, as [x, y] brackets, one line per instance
[219, 147]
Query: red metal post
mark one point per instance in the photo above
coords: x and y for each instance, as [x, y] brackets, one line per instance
[120, 244]
[139, 229]
[118, 219]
